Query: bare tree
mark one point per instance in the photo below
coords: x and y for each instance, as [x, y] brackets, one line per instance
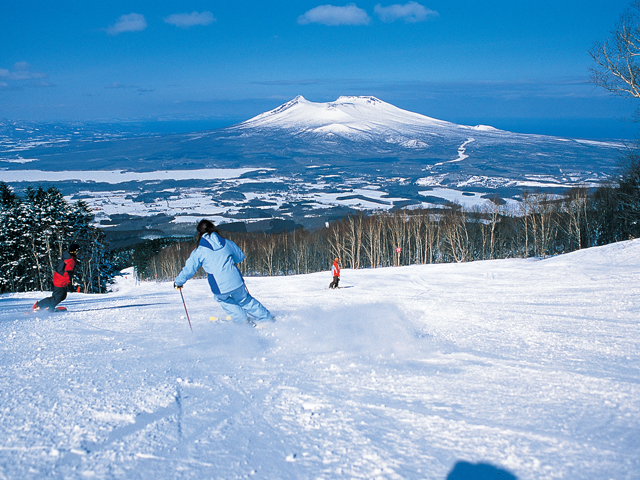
[372, 235]
[336, 240]
[543, 219]
[354, 235]
[268, 254]
[416, 226]
[525, 209]
[397, 227]
[494, 211]
[575, 206]
[455, 233]
[432, 239]
[616, 59]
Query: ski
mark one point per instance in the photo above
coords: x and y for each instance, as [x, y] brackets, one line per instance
[46, 310]
[257, 325]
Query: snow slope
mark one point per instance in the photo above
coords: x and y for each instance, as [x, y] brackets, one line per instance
[531, 366]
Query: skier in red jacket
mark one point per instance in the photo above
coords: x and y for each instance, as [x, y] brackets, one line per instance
[336, 274]
[62, 278]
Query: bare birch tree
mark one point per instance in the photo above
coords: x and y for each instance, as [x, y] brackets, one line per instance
[354, 233]
[616, 59]
[456, 234]
[525, 210]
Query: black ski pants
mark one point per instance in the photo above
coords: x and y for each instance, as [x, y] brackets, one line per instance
[334, 284]
[58, 295]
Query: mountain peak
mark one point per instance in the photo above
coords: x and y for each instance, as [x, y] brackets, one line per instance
[361, 99]
[284, 107]
[346, 116]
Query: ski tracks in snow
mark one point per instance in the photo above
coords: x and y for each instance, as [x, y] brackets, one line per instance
[527, 365]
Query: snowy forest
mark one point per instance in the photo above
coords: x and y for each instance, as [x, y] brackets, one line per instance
[541, 225]
[545, 226]
[36, 228]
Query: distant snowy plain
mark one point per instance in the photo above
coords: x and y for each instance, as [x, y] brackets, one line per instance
[532, 366]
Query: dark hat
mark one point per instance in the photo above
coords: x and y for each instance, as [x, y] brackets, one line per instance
[73, 248]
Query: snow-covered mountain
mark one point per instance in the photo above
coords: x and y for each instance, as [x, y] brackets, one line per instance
[364, 118]
[360, 114]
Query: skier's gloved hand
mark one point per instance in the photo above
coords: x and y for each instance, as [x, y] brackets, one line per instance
[176, 286]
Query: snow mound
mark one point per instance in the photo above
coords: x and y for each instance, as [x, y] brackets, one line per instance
[125, 282]
[485, 128]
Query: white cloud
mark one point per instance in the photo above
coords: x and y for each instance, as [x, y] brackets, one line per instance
[186, 20]
[21, 66]
[332, 15]
[411, 12]
[118, 85]
[21, 71]
[134, 22]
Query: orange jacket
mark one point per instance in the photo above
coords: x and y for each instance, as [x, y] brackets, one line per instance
[336, 269]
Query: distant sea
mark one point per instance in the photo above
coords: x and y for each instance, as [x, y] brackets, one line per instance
[176, 126]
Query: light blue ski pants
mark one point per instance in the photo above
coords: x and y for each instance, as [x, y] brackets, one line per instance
[238, 303]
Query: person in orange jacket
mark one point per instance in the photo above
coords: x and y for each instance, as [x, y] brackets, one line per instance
[62, 278]
[336, 274]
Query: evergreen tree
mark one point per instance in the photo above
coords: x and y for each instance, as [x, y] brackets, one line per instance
[36, 230]
[9, 238]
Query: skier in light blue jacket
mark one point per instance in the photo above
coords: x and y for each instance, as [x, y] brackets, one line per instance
[218, 257]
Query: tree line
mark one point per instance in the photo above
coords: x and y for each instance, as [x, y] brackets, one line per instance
[36, 228]
[540, 225]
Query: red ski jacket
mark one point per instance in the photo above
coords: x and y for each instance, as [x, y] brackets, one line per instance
[336, 269]
[64, 272]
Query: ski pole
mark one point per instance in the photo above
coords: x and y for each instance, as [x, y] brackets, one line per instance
[185, 309]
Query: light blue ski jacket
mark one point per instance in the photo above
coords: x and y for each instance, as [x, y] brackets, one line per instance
[218, 257]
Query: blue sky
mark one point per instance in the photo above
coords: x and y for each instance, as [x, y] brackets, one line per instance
[519, 65]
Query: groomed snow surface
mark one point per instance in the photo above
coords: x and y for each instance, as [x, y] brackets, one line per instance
[529, 366]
